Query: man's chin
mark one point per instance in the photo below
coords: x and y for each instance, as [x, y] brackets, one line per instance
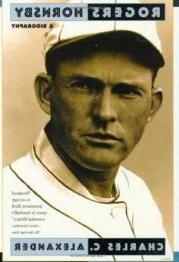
[94, 160]
[100, 164]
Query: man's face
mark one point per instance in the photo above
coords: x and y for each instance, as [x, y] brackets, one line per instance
[99, 108]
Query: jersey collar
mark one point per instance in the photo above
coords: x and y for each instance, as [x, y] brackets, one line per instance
[44, 153]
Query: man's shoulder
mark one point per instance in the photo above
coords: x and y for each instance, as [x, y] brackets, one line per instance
[136, 187]
[132, 180]
[132, 187]
[23, 162]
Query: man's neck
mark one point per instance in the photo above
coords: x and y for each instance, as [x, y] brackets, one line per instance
[98, 183]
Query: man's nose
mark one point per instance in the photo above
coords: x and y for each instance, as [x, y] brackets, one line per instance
[104, 108]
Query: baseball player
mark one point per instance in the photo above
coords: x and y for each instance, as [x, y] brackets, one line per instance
[99, 92]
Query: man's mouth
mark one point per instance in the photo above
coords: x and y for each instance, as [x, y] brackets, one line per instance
[102, 138]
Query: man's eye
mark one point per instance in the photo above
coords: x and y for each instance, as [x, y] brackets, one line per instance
[88, 84]
[80, 84]
[128, 91]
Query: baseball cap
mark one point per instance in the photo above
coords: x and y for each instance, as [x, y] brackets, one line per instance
[65, 34]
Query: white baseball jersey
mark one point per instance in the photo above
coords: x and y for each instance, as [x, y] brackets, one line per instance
[63, 208]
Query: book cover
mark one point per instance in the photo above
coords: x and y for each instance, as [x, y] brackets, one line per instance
[88, 130]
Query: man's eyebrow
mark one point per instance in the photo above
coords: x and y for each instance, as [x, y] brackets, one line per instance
[122, 84]
[85, 78]
[129, 84]
[126, 84]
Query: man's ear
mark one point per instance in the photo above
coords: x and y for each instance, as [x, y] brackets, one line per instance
[157, 98]
[43, 88]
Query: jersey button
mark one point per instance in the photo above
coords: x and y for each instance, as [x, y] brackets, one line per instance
[115, 211]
